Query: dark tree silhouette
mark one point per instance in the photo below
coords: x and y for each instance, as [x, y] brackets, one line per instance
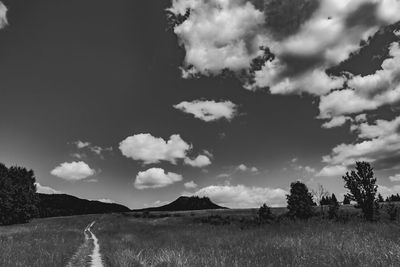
[362, 187]
[333, 207]
[299, 202]
[346, 200]
[380, 198]
[17, 195]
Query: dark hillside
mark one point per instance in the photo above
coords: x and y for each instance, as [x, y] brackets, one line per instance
[187, 203]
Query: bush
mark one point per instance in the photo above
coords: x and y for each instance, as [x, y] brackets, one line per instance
[265, 214]
[392, 211]
[299, 202]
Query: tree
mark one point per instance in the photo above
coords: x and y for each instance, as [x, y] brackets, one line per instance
[321, 196]
[380, 198]
[299, 202]
[361, 184]
[265, 213]
[333, 207]
[346, 200]
[17, 195]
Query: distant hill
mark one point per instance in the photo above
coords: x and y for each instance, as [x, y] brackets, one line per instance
[66, 205]
[187, 203]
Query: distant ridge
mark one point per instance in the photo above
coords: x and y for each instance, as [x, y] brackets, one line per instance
[66, 205]
[187, 203]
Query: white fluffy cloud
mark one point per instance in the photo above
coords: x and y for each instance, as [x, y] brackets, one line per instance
[335, 122]
[73, 171]
[3, 15]
[199, 162]
[379, 142]
[150, 149]
[244, 168]
[156, 178]
[209, 110]
[190, 185]
[332, 171]
[42, 189]
[241, 196]
[218, 34]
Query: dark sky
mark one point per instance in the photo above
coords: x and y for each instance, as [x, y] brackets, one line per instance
[100, 71]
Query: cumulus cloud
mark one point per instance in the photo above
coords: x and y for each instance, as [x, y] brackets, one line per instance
[150, 149]
[379, 143]
[98, 150]
[241, 196]
[199, 162]
[42, 189]
[156, 178]
[190, 185]
[3, 15]
[73, 171]
[335, 122]
[331, 171]
[209, 110]
[218, 34]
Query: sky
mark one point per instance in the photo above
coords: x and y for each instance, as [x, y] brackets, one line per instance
[140, 102]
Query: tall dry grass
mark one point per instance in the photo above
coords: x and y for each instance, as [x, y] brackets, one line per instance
[42, 242]
[178, 241]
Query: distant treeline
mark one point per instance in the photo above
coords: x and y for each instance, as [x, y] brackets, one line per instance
[19, 201]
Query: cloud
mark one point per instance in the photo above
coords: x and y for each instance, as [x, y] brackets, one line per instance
[73, 171]
[88, 146]
[218, 34]
[156, 178]
[199, 162]
[335, 122]
[241, 196]
[3, 15]
[380, 143]
[386, 191]
[395, 178]
[209, 110]
[330, 171]
[242, 167]
[80, 144]
[46, 189]
[150, 149]
[190, 185]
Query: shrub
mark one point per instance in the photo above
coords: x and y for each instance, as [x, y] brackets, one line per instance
[265, 213]
[333, 208]
[299, 202]
[392, 211]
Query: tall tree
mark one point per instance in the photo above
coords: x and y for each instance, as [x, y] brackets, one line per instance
[300, 201]
[17, 195]
[362, 186]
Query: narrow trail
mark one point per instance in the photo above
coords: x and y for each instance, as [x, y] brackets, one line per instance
[88, 254]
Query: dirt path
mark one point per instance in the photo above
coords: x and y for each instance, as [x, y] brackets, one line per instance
[88, 253]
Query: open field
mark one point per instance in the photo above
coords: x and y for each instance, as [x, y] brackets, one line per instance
[204, 238]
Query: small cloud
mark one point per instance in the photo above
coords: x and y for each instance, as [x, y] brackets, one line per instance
[242, 167]
[150, 149]
[190, 185]
[329, 171]
[294, 160]
[46, 189]
[223, 175]
[156, 178]
[395, 178]
[336, 122]
[3, 16]
[80, 144]
[199, 162]
[73, 171]
[209, 110]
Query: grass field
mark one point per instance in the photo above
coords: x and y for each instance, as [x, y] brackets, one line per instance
[204, 238]
[43, 242]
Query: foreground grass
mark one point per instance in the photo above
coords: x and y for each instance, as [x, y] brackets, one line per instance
[43, 242]
[184, 241]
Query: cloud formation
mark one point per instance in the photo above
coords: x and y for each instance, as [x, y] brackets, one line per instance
[190, 185]
[150, 149]
[42, 189]
[3, 15]
[241, 196]
[73, 171]
[155, 178]
[199, 162]
[209, 110]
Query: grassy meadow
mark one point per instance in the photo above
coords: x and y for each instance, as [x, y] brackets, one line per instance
[42, 242]
[206, 238]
